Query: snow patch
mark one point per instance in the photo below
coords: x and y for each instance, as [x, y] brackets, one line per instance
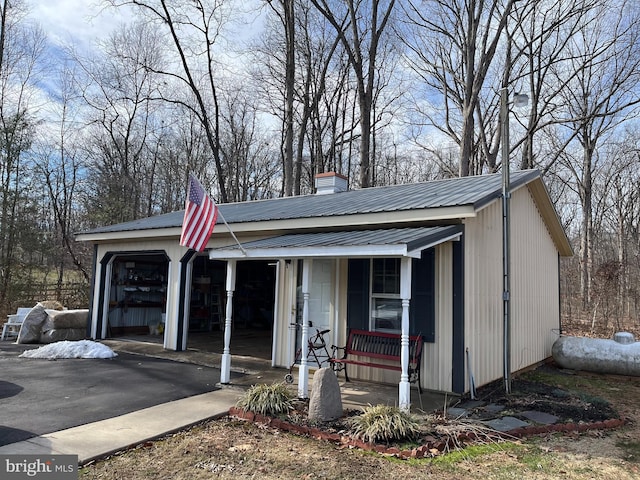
[69, 349]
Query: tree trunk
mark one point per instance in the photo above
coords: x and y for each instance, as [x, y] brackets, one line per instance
[586, 234]
[289, 25]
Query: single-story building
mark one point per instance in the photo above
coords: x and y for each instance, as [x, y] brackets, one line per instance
[416, 259]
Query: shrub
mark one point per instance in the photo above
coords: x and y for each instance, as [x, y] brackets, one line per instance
[384, 423]
[265, 399]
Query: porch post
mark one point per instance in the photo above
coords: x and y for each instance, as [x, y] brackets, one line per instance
[303, 377]
[404, 393]
[225, 364]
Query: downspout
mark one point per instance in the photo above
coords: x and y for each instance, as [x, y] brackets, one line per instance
[559, 298]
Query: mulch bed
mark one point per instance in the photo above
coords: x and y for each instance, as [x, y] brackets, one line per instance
[575, 414]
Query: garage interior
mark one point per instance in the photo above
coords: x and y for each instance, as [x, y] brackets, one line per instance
[138, 302]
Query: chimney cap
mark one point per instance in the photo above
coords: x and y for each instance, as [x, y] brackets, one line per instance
[330, 174]
[330, 182]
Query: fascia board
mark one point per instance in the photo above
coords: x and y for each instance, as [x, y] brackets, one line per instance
[156, 233]
[416, 253]
[315, 252]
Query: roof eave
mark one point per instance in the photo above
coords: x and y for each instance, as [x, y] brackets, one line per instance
[299, 224]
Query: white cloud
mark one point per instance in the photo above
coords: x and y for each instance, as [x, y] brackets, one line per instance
[78, 22]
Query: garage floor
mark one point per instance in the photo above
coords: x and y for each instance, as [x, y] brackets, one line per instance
[247, 343]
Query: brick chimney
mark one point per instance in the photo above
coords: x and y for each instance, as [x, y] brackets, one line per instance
[330, 182]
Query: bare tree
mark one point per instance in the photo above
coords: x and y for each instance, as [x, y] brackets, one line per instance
[542, 35]
[616, 212]
[193, 29]
[598, 98]
[252, 165]
[360, 27]
[317, 69]
[453, 45]
[21, 47]
[285, 11]
[60, 166]
[119, 87]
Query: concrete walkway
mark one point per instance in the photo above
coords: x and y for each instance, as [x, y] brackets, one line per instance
[100, 439]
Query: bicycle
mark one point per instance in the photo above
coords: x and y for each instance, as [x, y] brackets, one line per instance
[317, 348]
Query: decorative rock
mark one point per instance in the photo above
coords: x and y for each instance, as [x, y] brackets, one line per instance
[457, 412]
[325, 402]
[540, 417]
[493, 408]
[505, 424]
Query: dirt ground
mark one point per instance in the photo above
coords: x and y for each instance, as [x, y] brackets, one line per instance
[234, 449]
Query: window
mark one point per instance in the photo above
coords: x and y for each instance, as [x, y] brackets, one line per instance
[373, 295]
[386, 304]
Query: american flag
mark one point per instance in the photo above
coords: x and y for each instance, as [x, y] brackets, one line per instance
[199, 217]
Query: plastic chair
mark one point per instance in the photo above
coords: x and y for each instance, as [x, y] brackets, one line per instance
[14, 323]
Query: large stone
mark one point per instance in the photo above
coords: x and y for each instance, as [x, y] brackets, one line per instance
[325, 402]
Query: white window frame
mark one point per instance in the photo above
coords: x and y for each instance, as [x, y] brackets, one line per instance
[378, 315]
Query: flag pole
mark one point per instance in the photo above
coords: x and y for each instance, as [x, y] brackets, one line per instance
[244, 252]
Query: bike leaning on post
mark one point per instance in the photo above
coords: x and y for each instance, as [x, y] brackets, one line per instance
[317, 353]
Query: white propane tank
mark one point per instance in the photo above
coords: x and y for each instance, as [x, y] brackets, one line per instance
[620, 355]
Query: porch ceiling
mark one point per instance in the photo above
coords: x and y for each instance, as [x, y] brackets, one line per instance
[392, 242]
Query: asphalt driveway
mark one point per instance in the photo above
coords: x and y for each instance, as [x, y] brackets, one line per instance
[43, 396]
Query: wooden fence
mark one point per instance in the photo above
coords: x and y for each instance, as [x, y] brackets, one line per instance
[70, 295]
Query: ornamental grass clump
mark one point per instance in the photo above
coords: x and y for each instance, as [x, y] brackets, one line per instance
[271, 400]
[383, 423]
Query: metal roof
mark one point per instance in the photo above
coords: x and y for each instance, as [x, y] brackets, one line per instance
[383, 242]
[474, 191]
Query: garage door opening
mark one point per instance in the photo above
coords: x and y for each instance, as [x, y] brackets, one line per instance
[138, 295]
[253, 308]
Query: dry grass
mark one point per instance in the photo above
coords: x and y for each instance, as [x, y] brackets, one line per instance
[230, 449]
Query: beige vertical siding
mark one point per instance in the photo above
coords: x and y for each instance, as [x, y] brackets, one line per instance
[483, 293]
[535, 296]
[534, 288]
[437, 360]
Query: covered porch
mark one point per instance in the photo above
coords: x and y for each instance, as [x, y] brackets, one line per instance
[353, 279]
[248, 370]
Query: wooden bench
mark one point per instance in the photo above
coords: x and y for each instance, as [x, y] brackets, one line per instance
[377, 346]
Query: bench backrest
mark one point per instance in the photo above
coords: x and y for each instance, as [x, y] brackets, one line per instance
[382, 345]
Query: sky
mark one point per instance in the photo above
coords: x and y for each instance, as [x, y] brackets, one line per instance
[80, 22]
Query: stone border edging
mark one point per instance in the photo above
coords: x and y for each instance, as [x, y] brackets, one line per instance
[423, 450]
